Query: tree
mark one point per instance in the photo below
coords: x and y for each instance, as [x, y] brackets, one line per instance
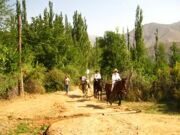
[24, 14]
[128, 39]
[5, 12]
[139, 41]
[156, 45]
[161, 57]
[81, 40]
[20, 81]
[114, 53]
[174, 54]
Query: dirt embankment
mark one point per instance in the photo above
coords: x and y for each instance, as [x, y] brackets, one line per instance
[75, 115]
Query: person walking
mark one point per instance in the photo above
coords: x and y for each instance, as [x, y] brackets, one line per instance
[66, 84]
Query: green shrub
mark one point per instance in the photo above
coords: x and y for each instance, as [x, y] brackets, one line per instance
[139, 88]
[54, 80]
[73, 73]
[34, 79]
[7, 83]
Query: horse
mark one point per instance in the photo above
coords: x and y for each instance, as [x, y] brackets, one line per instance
[84, 87]
[98, 89]
[119, 90]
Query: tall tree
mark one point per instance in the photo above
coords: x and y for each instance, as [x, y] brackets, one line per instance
[81, 39]
[5, 12]
[20, 81]
[114, 52]
[161, 57]
[51, 14]
[139, 41]
[174, 54]
[156, 45]
[24, 13]
[128, 39]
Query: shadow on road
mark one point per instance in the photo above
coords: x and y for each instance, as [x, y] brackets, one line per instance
[74, 96]
[93, 106]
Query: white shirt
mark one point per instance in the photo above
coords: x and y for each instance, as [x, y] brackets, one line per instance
[83, 78]
[97, 76]
[115, 77]
[67, 80]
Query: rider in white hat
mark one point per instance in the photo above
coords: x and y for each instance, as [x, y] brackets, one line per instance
[115, 77]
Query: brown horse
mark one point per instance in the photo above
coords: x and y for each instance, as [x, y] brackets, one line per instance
[119, 90]
[98, 89]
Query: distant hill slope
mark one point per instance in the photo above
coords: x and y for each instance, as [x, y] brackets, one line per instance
[168, 33]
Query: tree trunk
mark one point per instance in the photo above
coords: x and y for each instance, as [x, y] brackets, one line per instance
[20, 79]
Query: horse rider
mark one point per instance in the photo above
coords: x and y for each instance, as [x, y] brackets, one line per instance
[115, 77]
[97, 78]
[84, 80]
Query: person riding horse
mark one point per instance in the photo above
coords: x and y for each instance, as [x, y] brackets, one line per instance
[84, 84]
[96, 83]
[115, 77]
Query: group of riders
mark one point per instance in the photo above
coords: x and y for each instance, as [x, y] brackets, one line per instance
[97, 80]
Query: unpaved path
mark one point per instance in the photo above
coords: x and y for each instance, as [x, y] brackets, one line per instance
[75, 115]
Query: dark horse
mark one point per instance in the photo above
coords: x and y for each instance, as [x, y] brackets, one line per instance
[98, 89]
[84, 88]
[120, 89]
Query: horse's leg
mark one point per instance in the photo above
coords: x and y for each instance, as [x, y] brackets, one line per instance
[111, 99]
[101, 95]
[119, 97]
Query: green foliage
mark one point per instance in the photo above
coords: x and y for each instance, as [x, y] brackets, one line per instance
[5, 12]
[140, 87]
[166, 88]
[114, 53]
[27, 128]
[34, 79]
[54, 80]
[73, 73]
[174, 54]
[81, 40]
[139, 48]
[7, 82]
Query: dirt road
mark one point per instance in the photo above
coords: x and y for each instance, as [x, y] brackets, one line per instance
[74, 115]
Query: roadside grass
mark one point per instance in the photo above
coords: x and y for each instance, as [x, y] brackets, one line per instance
[150, 107]
[26, 128]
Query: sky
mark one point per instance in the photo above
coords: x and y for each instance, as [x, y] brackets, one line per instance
[105, 15]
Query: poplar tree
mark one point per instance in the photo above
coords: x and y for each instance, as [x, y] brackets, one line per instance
[139, 41]
[20, 79]
[81, 39]
[24, 13]
[174, 55]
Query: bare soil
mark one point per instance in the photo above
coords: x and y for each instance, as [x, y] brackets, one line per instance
[73, 114]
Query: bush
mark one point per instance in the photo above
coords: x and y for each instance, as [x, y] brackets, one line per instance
[54, 80]
[73, 72]
[34, 79]
[139, 88]
[8, 85]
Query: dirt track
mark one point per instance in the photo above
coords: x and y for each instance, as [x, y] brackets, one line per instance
[75, 115]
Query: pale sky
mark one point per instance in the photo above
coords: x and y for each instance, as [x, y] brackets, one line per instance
[103, 15]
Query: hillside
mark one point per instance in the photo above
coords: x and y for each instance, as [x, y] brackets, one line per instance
[168, 33]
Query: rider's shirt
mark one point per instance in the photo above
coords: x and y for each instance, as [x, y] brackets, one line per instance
[115, 77]
[97, 76]
[83, 79]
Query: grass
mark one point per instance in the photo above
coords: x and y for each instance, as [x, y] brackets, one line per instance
[28, 129]
[150, 107]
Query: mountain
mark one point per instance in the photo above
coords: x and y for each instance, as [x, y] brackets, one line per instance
[167, 33]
